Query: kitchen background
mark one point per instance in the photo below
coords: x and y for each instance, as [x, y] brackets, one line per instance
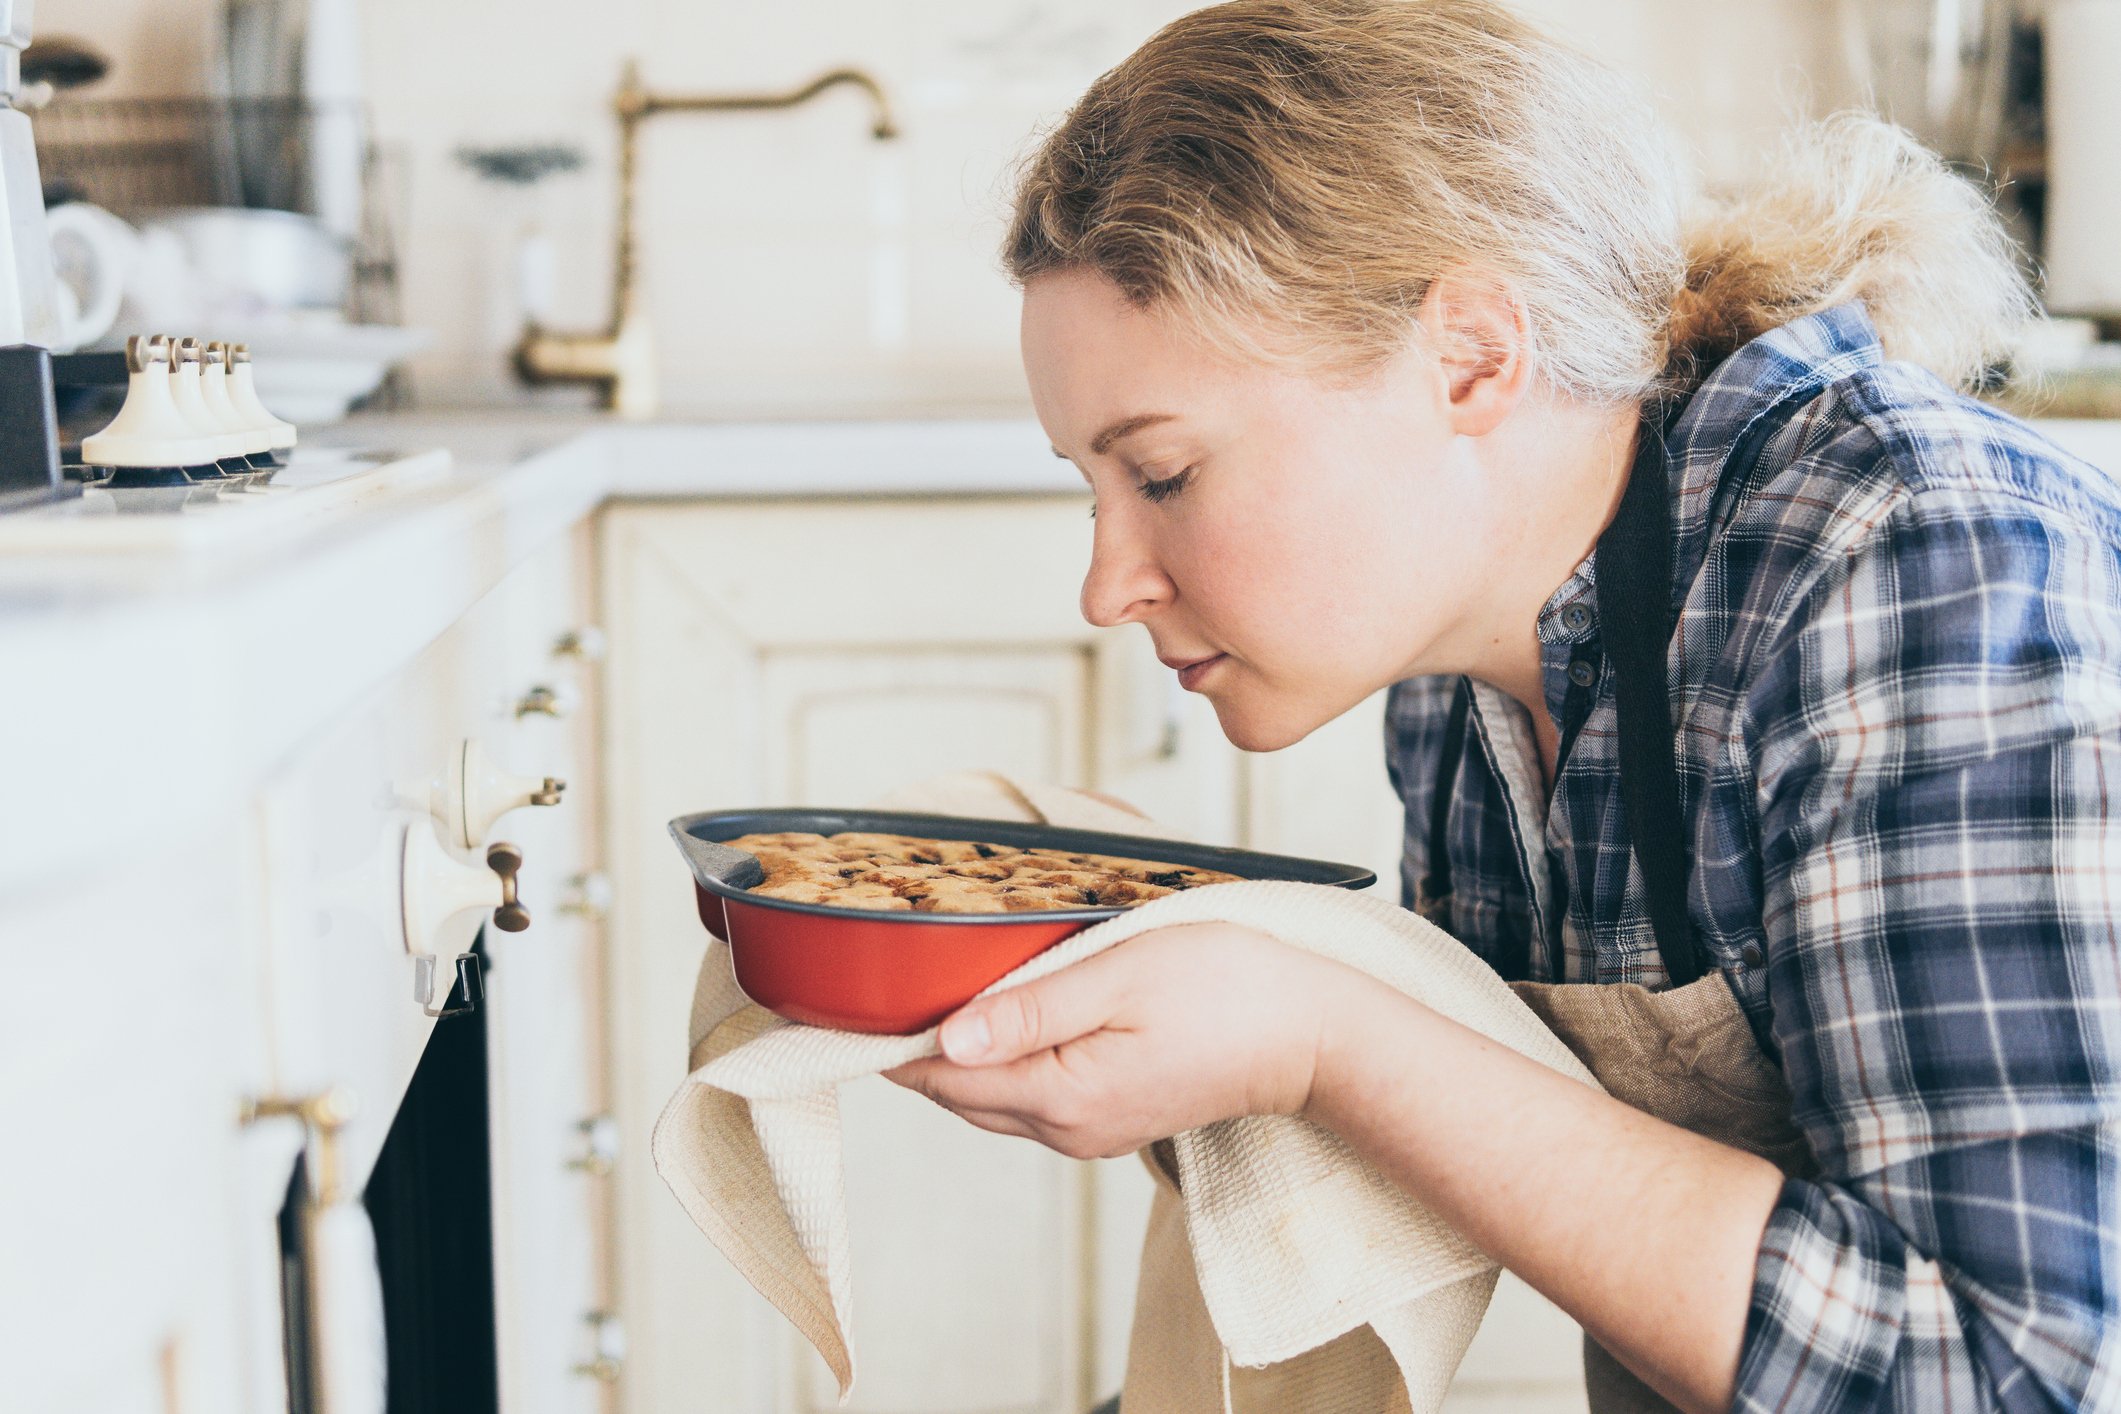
[302, 706]
[791, 262]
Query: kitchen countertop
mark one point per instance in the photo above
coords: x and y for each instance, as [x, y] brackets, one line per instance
[148, 687]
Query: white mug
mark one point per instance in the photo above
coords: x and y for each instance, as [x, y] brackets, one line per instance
[92, 253]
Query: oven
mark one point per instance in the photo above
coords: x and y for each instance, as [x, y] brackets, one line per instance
[440, 1149]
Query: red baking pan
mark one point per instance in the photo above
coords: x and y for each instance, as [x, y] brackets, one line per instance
[897, 973]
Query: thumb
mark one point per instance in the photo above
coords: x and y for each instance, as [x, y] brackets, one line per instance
[1036, 1016]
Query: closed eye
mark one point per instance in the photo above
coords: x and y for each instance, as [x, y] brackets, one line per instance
[1165, 489]
[1158, 491]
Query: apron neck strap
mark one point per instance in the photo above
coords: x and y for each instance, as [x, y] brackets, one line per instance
[1634, 592]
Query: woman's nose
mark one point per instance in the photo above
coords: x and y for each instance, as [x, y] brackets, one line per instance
[1124, 581]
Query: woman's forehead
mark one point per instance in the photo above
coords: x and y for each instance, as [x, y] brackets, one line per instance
[1102, 369]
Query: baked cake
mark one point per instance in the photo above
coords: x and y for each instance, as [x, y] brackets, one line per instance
[903, 873]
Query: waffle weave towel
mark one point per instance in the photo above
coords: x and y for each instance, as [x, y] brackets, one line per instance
[1295, 1240]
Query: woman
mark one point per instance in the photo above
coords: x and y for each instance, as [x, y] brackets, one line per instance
[1359, 317]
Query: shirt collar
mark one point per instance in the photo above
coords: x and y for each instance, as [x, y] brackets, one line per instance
[1793, 363]
[1810, 352]
[1557, 625]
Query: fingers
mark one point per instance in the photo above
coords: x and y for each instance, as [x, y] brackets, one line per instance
[1026, 1086]
[1020, 1100]
[1034, 1017]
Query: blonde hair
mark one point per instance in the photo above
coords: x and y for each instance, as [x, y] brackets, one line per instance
[1289, 176]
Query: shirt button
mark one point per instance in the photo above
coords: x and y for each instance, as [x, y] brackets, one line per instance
[1751, 956]
[1583, 672]
[1576, 618]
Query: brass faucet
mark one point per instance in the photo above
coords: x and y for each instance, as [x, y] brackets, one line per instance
[620, 362]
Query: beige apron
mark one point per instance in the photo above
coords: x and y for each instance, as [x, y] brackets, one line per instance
[1686, 1055]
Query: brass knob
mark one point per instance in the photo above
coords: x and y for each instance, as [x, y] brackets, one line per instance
[600, 1146]
[588, 896]
[506, 860]
[544, 701]
[327, 1111]
[549, 793]
[323, 1116]
[586, 644]
[607, 1335]
[143, 349]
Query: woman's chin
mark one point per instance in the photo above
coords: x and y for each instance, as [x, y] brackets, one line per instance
[1251, 726]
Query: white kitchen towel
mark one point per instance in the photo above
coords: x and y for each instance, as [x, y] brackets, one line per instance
[1296, 1240]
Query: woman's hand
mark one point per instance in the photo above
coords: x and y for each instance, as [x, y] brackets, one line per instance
[1170, 1030]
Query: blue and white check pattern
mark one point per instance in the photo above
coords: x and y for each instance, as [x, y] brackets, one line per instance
[1897, 687]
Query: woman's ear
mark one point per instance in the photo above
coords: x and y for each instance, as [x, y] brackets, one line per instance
[1478, 330]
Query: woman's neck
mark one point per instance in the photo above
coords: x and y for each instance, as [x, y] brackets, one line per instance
[1565, 464]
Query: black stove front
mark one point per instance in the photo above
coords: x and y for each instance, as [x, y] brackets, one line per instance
[430, 1200]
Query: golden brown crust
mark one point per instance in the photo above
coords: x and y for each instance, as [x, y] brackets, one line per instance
[899, 873]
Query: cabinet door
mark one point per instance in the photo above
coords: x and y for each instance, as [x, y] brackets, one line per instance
[825, 654]
[844, 726]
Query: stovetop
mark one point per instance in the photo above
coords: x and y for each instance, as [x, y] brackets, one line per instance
[316, 482]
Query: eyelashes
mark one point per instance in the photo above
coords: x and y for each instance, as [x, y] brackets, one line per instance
[1157, 492]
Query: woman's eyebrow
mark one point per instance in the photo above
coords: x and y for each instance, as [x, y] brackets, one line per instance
[1126, 427]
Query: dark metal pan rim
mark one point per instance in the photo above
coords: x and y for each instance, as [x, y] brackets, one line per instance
[721, 825]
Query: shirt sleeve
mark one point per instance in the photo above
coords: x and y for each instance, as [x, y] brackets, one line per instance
[1936, 740]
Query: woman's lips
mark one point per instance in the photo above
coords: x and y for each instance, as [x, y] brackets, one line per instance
[1190, 674]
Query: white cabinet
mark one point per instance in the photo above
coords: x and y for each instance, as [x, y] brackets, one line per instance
[265, 956]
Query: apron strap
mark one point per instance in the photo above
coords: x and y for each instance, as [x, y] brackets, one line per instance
[1436, 884]
[1634, 592]
[1635, 618]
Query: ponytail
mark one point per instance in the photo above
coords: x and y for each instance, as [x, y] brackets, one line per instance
[1853, 208]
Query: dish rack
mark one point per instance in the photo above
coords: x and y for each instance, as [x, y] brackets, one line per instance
[137, 155]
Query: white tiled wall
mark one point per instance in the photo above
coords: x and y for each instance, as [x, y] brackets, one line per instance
[790, 261]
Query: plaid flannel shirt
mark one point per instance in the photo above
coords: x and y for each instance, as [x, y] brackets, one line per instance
[1896, 681]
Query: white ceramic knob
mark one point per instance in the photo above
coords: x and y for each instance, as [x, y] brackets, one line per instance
[473, 794]
[243, 393]
[445, 898]
[213, 393]
[149, 430]
[187, 378]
